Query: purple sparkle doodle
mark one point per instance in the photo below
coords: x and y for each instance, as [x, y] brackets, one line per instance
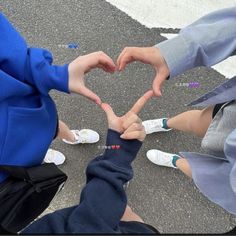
[194, 85]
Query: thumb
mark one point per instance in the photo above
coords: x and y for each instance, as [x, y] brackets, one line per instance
[90, 95]
[158, 83]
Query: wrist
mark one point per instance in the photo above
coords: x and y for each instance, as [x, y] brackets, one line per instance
[119, 151]
[160, 62]
[177, 55]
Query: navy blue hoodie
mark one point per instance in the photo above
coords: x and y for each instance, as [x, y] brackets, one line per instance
[103, 199]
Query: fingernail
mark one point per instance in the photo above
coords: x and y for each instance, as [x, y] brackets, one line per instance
[98, 102]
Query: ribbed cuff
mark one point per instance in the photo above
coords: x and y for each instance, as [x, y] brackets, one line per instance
[119, 151]
[176, 52]
[61, 78]
[43, 74]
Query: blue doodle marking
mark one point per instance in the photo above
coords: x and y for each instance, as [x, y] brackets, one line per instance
[73, 45]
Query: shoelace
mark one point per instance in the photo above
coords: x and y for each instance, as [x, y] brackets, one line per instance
[80, 137]
[166, 158]
[153, 124]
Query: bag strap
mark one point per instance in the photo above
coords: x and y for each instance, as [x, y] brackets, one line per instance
[35, 173]
[15, 171]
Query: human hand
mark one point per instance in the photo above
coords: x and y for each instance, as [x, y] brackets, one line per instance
[81, 66]
[129, 125]
[147, 55]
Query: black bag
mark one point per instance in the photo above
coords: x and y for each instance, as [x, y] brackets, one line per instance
[26, 194]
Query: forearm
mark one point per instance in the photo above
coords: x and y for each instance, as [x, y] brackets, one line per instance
[42, 74]
[103, 199]
[206, 42]
[29, 65]
[106, 176]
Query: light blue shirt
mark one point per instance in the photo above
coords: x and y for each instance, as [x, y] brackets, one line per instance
[206, 42]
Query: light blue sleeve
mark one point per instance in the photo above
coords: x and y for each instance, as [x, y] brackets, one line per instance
[206, 42]
[230, 152]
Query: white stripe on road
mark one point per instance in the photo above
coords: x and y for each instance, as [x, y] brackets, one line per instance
[227, 67]
[169, 36]
[169, 13]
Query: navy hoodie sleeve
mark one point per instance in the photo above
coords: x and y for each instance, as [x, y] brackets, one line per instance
[103, 199]
[29, 65]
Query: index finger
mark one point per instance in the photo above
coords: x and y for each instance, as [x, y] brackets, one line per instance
[138, 106]
[106, 62]
[127, 56]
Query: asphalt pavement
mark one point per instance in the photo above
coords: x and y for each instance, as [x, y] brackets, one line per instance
[163, 197]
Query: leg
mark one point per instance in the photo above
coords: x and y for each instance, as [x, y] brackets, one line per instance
[184, 166]
[195, 121]
[129, 215]
[76, 136]
[169, 160]
[65, 133]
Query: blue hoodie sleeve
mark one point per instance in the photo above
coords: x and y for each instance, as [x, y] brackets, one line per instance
[103, 199]
[29, 65]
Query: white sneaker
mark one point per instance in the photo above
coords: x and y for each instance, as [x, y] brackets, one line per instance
[152, 126]
[83, 136]
[53, 156]
[161, 158]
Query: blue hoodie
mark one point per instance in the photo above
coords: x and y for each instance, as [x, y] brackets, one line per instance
[103, 199]
[28, 116]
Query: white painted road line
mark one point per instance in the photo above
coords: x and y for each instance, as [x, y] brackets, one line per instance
[227, 67]
[168, 13]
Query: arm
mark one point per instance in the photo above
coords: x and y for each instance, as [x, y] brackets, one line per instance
[34, 65]
[206, 42]
[29, 65]
[103, 199]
